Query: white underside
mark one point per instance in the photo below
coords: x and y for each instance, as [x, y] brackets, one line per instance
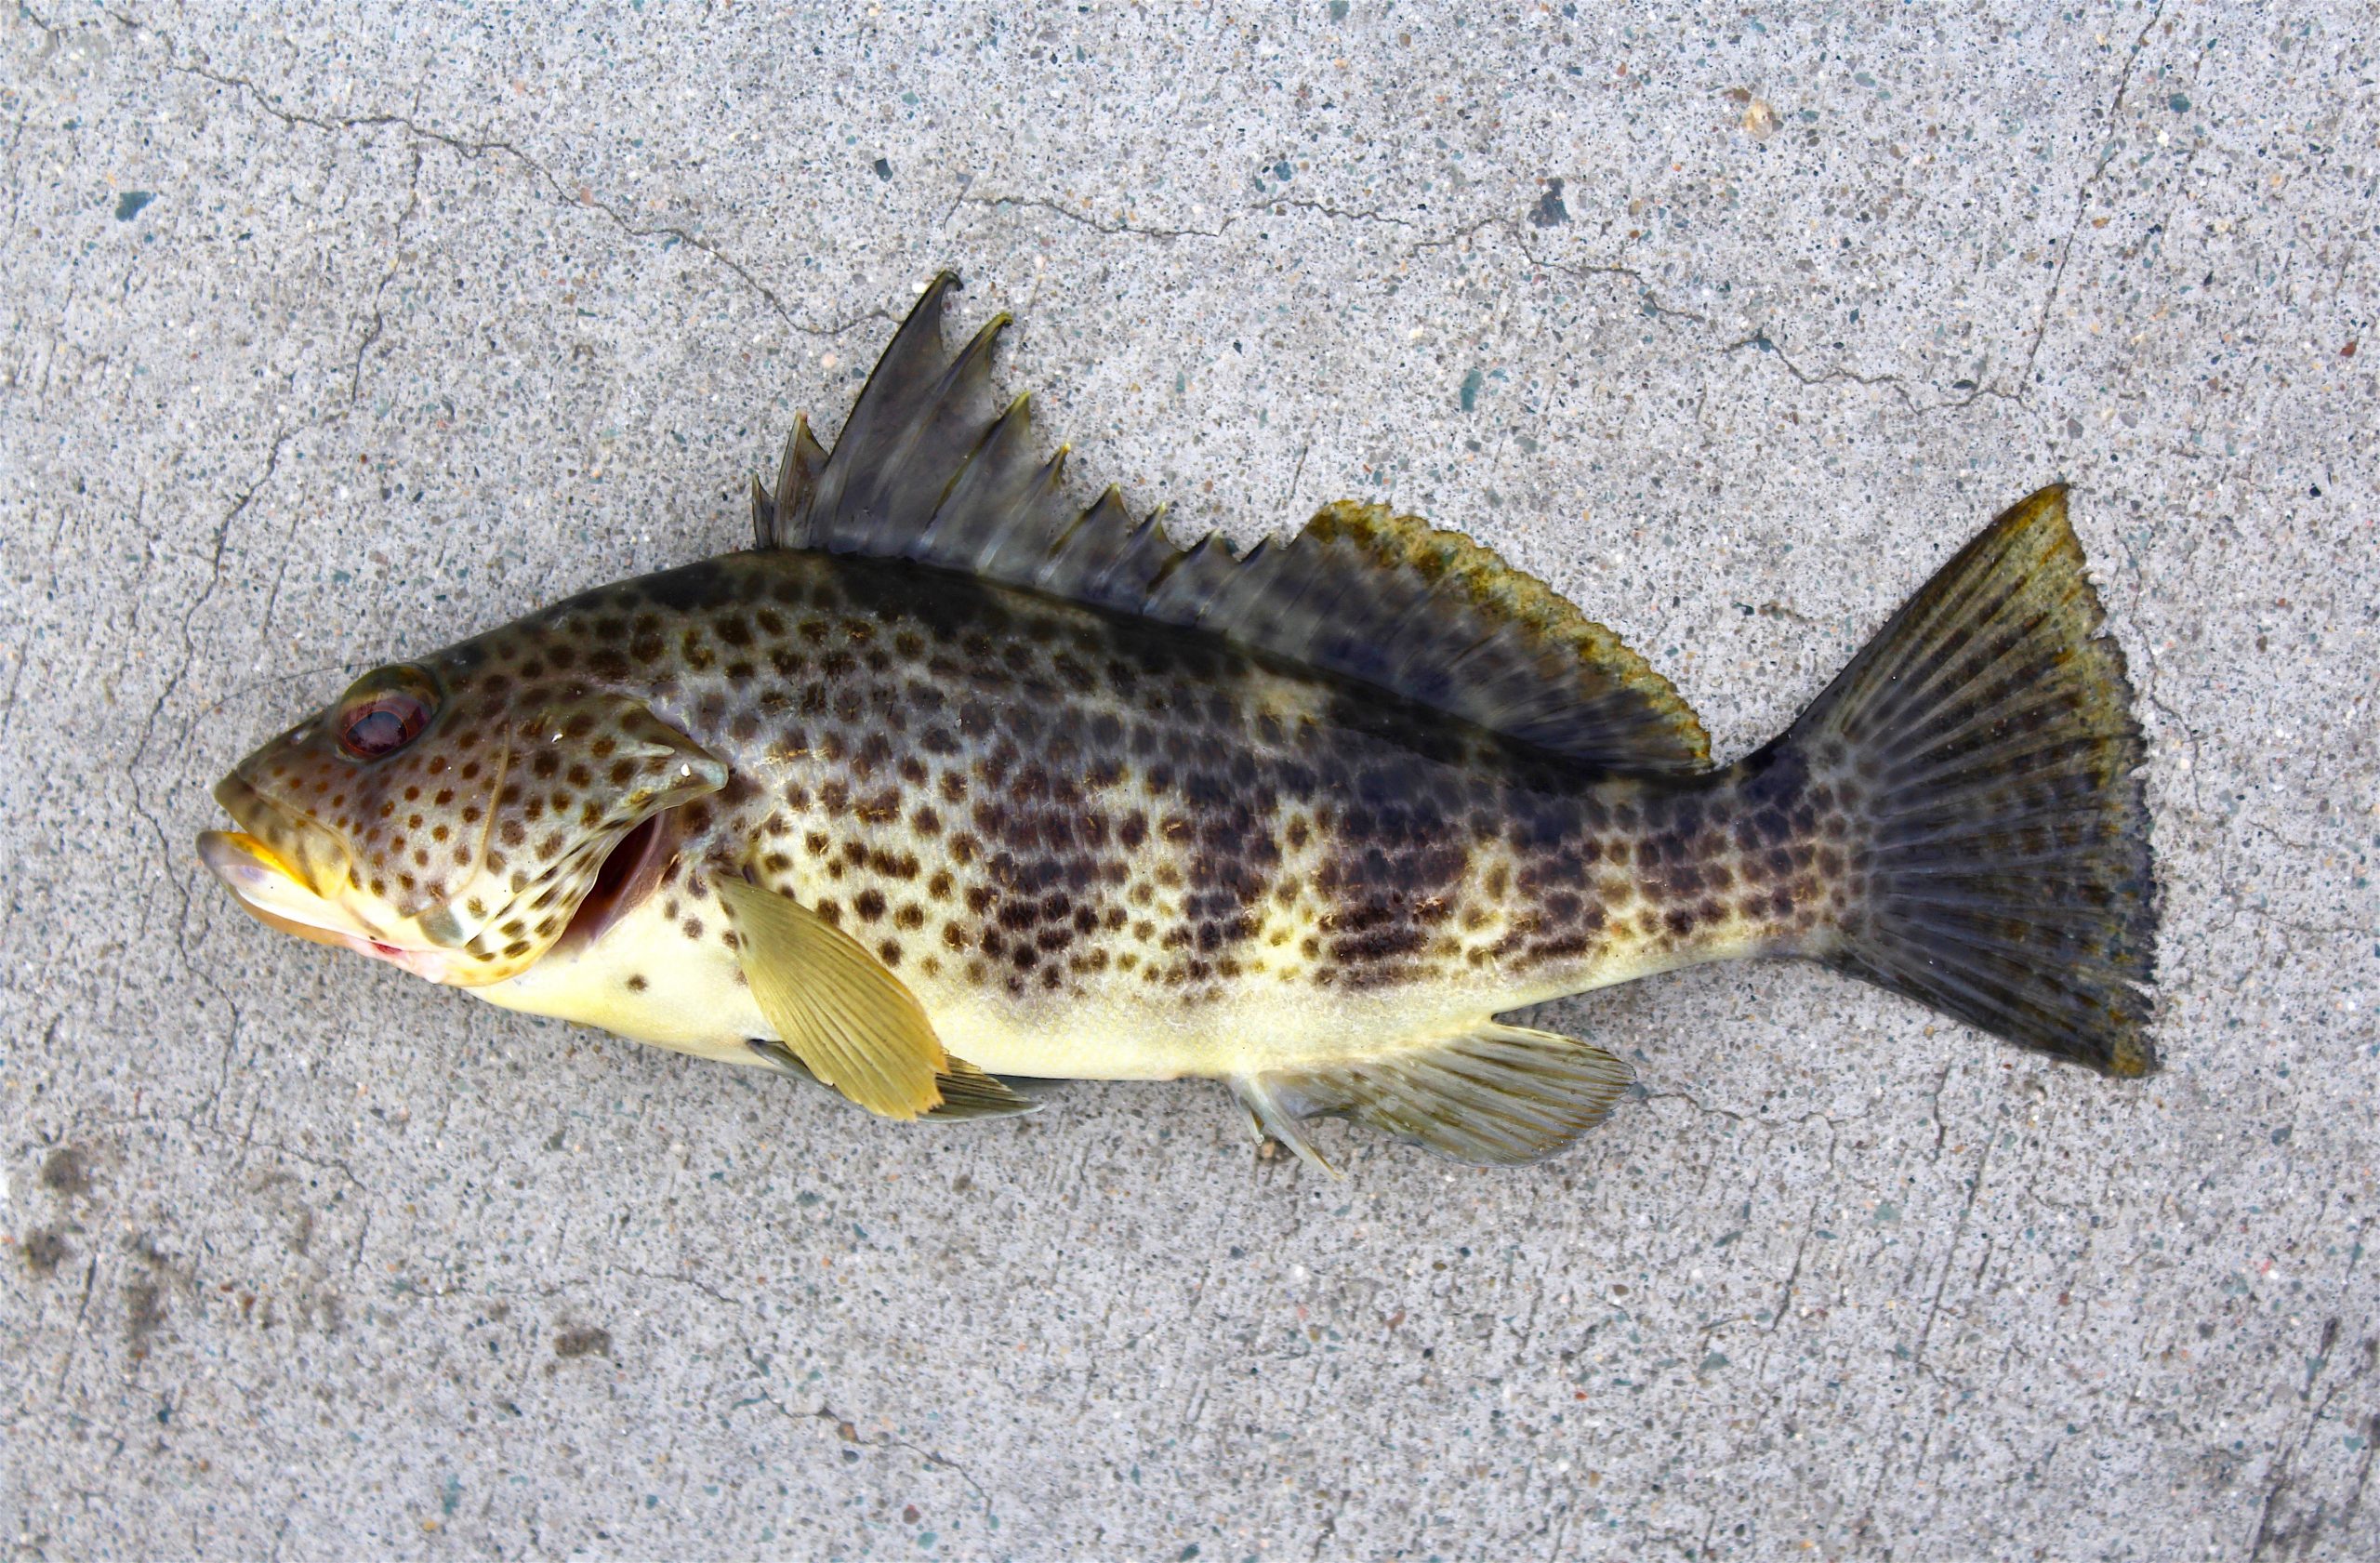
[693, 1001]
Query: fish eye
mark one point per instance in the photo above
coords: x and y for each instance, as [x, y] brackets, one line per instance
[384, 712]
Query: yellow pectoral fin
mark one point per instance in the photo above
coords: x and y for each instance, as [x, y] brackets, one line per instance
[836, 1007]
[967, 1091]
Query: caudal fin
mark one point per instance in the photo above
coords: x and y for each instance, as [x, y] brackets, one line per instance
[1983, 748]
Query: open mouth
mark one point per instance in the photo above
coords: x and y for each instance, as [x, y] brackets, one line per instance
[272, 867]
[631, 872]
[274, 893]
[274, 863]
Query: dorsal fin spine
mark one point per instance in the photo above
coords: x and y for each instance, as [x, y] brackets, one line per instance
[1362, 592]
[967, 374]
[890, 390]
[786, 511]
[969, 510]
[764, 516]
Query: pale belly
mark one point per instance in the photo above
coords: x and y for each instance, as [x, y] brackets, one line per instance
[646, 980]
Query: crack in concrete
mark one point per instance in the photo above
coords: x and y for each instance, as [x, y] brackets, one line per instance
[1280, 206]
[1958, 1235]
[714, 1293]
[1838, 376]
[1465, 234]
[2074, 225]
[25, 639]
[1934, 1108]
[848, 1432]
[1119, 227]
[482, 146]
[372, 332]
[79, 1125]
[1801, 1248]
[137, 768]
[1761, 338]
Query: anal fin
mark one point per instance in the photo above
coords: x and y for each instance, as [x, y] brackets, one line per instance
[1497, 1096]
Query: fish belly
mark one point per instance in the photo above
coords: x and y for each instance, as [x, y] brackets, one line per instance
[647, 980]
[671, 981]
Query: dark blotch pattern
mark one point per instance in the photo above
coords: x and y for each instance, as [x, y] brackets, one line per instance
[1059, 800]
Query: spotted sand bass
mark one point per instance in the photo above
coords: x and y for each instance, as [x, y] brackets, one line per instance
[942, 782]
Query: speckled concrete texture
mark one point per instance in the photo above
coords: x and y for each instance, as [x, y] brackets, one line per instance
[335, 336]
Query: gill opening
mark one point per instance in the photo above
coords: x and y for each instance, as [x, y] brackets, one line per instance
[630, 871]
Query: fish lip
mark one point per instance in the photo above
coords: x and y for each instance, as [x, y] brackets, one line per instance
[234, 856]
[252, 871]
[248, 863]
[235, 797]
[247, 866]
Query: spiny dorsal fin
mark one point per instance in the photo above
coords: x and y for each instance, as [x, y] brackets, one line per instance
[797, 475]
[924, 471]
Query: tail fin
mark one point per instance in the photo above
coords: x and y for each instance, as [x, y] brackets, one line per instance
[1983, 748]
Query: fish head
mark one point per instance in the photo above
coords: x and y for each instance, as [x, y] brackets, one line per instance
[454, 818]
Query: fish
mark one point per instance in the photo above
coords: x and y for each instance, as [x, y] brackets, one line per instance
[949, 787]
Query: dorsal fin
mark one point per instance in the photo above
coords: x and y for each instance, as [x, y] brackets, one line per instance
[923, 470]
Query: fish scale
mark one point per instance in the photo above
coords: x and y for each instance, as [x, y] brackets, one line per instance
[944, 782]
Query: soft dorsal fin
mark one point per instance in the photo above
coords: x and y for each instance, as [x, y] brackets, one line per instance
[924, 471]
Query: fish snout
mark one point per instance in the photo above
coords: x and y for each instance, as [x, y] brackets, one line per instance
[270, 891]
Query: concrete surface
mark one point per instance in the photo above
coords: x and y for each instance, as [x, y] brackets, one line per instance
[337, 336]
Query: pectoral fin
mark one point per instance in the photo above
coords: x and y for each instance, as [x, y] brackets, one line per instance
[839, 1010]
[1499, 1097]
[967, 1091]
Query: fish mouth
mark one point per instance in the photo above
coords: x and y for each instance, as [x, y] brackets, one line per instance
[272, 867]
[274, 893]
[275, 865]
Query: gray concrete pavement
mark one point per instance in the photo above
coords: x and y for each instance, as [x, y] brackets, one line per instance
[334, 336]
